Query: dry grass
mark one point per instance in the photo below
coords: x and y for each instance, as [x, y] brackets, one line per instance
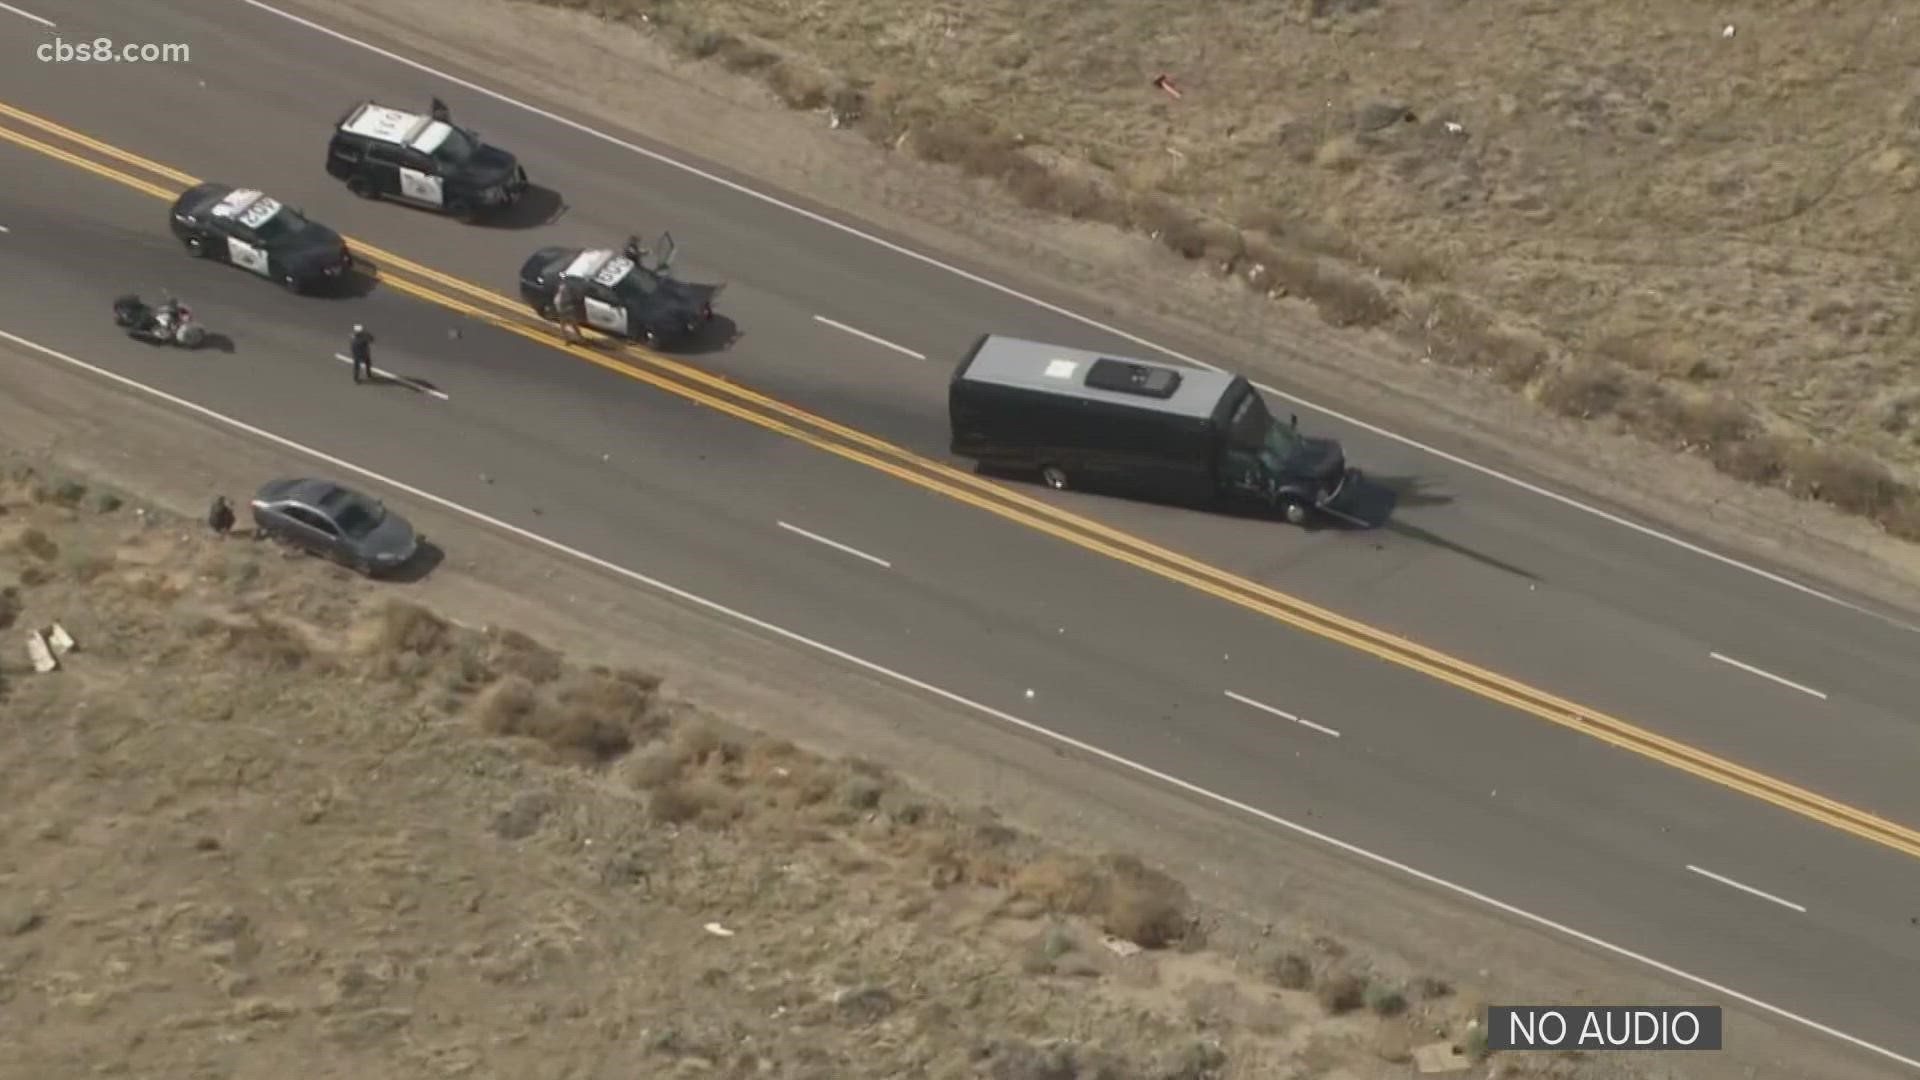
[264, 642]
[1666, 209]
[515, 708]
[1128, 899]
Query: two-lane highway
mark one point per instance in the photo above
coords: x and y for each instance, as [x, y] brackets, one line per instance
[1121, 659]
[1479, 569]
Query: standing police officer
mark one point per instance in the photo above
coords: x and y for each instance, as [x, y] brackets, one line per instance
[360, 347]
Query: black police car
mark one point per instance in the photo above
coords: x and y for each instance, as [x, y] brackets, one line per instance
[422, 158]
[625, 297]
[256, 232]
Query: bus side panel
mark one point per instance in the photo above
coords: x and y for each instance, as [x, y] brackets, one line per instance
[1101, 446]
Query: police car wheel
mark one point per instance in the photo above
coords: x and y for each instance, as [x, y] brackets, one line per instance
[1294, 510]
[361, 186]
[290, 283]
[196, 247]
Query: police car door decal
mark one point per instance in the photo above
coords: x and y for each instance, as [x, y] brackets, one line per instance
[606, 316]
[246, 256]
[415, 184]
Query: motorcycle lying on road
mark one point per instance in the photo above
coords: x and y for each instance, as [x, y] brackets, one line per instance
[162, 324]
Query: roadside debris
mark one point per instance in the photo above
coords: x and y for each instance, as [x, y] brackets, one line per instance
[1441, 1058]
[717, 930]
[1164, 82]
[42, 655]
[61, 641]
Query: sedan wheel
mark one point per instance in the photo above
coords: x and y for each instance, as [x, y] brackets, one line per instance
[1054, 477]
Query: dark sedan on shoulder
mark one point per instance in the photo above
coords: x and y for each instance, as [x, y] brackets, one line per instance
[259, 233]
[623, 295]
[335, 522]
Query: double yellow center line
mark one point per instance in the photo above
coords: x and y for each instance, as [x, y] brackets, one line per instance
[689, 382]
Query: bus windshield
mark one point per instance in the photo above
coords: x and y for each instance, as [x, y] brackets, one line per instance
[1253, 429]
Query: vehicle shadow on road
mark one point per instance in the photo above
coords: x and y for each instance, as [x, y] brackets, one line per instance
[538, 206]
[356, 284]
[1373, 500]
[718, 335]
[427, 557]
[1376, 500]
[210, 342]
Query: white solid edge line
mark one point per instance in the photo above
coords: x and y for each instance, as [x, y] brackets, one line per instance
[876, 339]
[835, 544]
[401, 379]
[1751, 670]
[984, 710]
[898, 249]
[1281, 713]
[1746, 888]
[28, 15]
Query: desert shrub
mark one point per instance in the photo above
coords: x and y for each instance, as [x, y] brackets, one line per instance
[1586, 391]
[656, 768]
[265, 642]
[1902, 520]
[409, 628]
[1701, 421]
[88, 567]
[1761, 459]
[1040, 188]
[508, 708]
[1847, 480]
[1128, 899]
[1291, 971]
[1178, 230]
[624, 702]
[514, 653]
[1386, 1000]
[1342, 992]
[798, 86]
[1143, 905]
[1196, 1060]
[682, 802]
[36, 543]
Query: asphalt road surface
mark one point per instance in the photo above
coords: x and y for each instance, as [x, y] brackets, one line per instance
[1489, 797]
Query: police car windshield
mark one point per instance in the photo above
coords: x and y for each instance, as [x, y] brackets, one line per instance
[456, 149]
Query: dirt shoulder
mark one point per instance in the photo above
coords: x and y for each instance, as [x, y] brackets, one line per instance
[1447, 377]
[325, 850]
